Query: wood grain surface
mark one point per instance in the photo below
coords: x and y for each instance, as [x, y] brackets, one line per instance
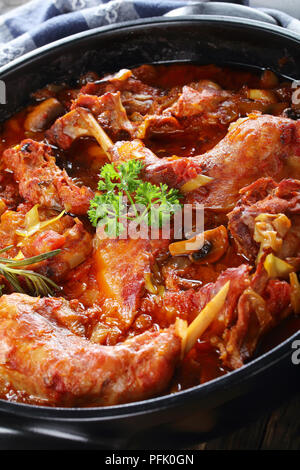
[279, 430]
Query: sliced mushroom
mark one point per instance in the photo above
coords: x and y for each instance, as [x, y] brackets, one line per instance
[43, 115]
[206, 247]
[292, 113]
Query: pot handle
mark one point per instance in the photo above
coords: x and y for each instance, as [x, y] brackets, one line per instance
[222, 9]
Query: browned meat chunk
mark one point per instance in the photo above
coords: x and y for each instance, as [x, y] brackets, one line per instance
[109, 112]
[187, 304]
[136, 96]
[77, 123]
[198, 108]
[265, 196]
[255, 146]
[256, 314]
[66, 234]
[42, 182]
[53, 366]
[122, 267]
[203, 98]
[253, 306]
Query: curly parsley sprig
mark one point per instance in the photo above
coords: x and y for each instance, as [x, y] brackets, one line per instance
[125, 196]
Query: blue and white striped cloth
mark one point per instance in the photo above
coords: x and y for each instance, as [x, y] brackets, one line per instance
[40, 22]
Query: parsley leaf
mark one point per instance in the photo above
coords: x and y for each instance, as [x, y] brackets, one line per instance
[124, 196]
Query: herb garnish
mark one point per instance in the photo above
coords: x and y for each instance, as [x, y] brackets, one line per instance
[36, 283]
[124, 196]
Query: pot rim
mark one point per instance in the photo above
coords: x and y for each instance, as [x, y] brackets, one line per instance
[139, 24]
[235, 378]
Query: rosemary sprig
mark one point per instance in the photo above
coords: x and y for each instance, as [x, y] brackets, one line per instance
[36, 283]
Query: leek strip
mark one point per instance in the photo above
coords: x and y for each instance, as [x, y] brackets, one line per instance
[205, 317]
[295, 293]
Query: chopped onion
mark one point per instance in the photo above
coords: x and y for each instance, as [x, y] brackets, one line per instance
[33, 224]
[32, 217]
[195, 183]
[276, 267]
[2, 206]
[19, 256]
[269, 231]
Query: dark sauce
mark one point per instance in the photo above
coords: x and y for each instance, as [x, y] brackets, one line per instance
[84, 159]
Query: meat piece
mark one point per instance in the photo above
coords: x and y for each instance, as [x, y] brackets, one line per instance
[265, 196]
[53, 366]
[203, 98]
[198, 108]
[262, 305]
[9, 223]
[173, 171]
[135, 149]
[187, 304]
[109, 112]
[66, 234]
[42, 182]
[136, 96]
[46, 241]
[74, 242]
[121, 267]
[159, 125]
[9, 191]
[77, 123]
[81, 286]
[255, 146]
[109, 83]
[255, 316]
[254, 304]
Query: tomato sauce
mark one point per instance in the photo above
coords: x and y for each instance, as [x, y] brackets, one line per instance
[83, 161]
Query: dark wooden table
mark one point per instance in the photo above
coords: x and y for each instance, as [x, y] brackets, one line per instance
[278, 430]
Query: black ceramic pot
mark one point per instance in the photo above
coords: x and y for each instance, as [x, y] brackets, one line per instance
[206, 409]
